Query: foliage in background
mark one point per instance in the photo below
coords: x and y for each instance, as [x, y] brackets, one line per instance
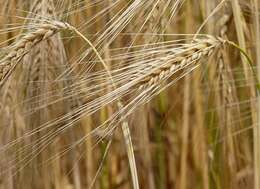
[180, 77]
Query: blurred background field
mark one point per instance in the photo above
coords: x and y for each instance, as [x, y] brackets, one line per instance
[198, 128]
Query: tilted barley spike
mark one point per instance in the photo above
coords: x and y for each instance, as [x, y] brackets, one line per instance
[27, 42]
[192, 56]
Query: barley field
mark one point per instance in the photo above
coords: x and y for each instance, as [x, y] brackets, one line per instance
[129, 94]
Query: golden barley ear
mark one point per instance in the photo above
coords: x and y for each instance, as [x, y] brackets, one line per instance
[38, 58]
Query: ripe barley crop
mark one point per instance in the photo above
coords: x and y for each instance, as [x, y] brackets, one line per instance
[180, 78]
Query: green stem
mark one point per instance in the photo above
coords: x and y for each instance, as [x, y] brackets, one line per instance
[249, 61]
